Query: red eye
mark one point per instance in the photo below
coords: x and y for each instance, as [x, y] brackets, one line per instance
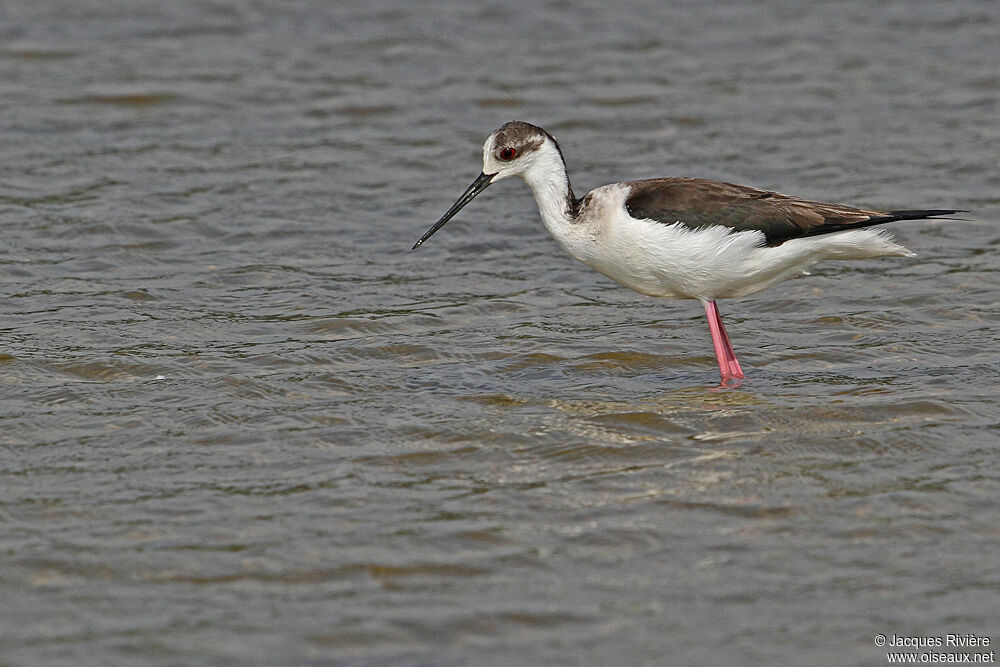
[508, 153]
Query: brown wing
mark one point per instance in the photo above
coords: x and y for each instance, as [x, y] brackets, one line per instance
[697, 202]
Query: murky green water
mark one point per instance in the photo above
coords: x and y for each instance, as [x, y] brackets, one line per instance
[241, 422]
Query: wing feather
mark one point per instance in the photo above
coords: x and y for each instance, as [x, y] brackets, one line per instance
[698, 202]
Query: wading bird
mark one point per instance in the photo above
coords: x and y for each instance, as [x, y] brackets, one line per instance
[684, 238]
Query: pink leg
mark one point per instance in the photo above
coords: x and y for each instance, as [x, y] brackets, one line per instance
[728, 365]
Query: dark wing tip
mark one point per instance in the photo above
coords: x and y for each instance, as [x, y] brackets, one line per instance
[914, 214]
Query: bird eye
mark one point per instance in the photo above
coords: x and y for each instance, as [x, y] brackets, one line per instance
[508, 153]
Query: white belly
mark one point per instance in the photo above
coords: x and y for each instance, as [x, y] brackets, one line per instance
[708, 263]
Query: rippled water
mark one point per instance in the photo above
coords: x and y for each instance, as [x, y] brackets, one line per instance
[242, 422]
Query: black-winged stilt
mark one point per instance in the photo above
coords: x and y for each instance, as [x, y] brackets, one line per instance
[686, 238]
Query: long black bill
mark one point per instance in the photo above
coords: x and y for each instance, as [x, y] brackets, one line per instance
[481, 183]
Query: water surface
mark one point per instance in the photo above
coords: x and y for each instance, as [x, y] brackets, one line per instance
[242, 422]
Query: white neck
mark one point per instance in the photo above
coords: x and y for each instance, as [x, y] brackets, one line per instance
[548, 181]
